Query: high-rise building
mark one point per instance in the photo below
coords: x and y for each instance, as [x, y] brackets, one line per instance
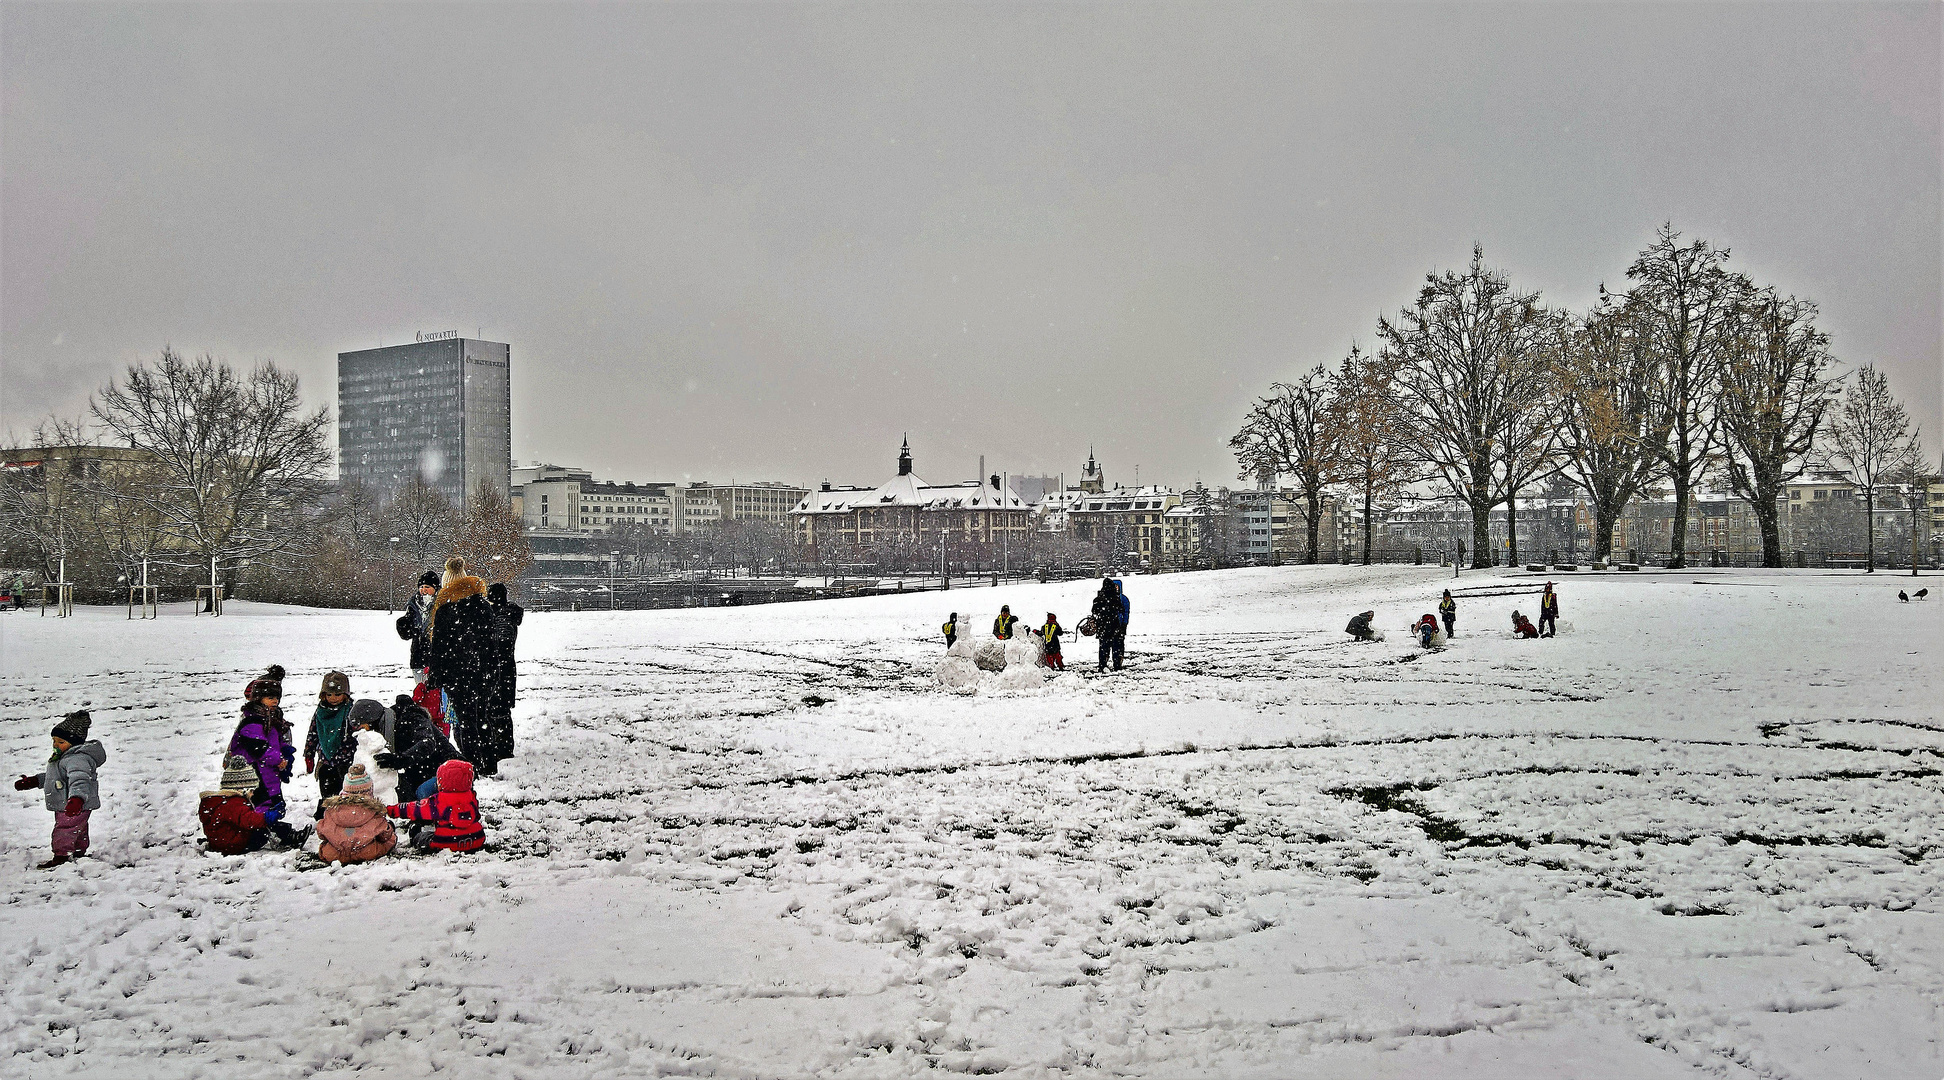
[439, 409]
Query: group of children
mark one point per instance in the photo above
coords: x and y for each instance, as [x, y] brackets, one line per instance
[408, 749]
[1049, 633]
[1426, 628]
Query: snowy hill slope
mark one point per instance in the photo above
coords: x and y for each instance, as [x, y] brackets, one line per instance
[1697, 832]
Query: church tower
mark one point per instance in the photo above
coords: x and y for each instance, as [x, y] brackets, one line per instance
[1093, 480]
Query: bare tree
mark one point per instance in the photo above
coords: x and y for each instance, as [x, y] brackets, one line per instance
[1872, 436]
[119, 512]
[1611, 432]
[1529, 445]
[423, 519]
[1685, 300]
[1373, 431]
[1287, 433]
[40, 511]
[1773, 399]
[1451, 353]
[1918, 478]
[238, 461]
[489, 537]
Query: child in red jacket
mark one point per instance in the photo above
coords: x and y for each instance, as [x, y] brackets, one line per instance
[453, 810]
[231, 822]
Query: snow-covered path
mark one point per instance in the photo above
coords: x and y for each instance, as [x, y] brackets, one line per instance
[1696, 833]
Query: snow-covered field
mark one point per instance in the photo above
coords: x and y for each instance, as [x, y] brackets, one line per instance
[1697, 833]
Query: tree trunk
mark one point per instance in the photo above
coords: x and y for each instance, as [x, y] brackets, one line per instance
[1368, 499]
[1677, 541]
[1481, 508]
[1603, 521]
[1767, 518]
[1314, 521]
[1869, 527]
[1512, 529]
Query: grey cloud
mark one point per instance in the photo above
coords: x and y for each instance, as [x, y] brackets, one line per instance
[765, 240]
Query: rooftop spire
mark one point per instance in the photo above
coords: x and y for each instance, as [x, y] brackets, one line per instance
[904, 456]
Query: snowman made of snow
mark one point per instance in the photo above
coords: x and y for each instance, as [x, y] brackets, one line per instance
[384, 782]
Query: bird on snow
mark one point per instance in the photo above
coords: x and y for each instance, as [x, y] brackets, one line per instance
[1901, 595]
[1923, 592]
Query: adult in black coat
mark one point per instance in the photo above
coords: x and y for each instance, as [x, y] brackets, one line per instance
[466, 633]
[1108, 626]
[418, 748]
[501, 682]
[416, 624]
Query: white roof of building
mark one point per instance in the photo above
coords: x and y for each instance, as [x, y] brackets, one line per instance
[908, 490]
[1152, 497]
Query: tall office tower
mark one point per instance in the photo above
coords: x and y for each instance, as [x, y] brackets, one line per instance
[440, 409]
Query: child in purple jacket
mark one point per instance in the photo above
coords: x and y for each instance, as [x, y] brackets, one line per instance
[263, 739]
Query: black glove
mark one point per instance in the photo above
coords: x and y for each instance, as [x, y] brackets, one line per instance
[385, 759]
[27, 783]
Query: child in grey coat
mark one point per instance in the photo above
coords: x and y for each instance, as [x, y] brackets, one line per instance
[70, 786]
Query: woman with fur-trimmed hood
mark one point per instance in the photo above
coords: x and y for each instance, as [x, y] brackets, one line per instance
[466, 636]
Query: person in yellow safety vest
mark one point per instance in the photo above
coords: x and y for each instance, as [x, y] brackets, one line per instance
[1449, 609]
[1050, 634]
[950, 630]
[1003, 625]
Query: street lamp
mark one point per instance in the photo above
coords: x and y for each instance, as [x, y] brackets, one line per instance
[614, 560]
[393, 583]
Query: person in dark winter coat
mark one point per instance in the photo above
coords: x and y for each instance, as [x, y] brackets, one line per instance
[1548, 612]
[1448, 608]
[262, 737]
[1108, 626]
[465, 641]
[418, 749]
[1359, 627]
[452, 810]
[950, 630]
[231, 822]
[329, 747]
[1002, 627]
[70, 785]
[502, 682]
[415, 625]
[1522, 626]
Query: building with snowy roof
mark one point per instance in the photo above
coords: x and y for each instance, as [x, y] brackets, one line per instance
[1126, 521]
[906, 509]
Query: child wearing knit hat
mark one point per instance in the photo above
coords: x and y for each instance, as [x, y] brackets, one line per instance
[231, 822]
[353, 827]
[70, 783]
[262, 738]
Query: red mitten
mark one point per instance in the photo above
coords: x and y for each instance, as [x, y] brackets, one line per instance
[27, 783]
[310, 764]
[394, 811]
[75, 804]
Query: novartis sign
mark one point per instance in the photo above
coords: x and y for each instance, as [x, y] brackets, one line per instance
[439, 335]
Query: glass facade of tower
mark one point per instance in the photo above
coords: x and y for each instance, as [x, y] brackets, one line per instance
[438, 410]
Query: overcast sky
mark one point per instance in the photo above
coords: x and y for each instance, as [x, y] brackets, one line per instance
[764, 241]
